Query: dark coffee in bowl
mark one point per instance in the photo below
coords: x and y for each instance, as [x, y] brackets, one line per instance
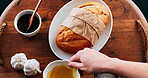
[23, 23]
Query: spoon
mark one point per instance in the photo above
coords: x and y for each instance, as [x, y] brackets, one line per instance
[32, 17]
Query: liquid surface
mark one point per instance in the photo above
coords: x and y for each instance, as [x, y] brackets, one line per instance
[23, 23]
[62, 72]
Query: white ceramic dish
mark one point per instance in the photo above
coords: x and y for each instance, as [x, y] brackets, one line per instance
[51, 65]
[59, 18]
[23, 13]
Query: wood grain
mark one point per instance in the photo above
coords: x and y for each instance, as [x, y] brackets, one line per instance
[126, 43]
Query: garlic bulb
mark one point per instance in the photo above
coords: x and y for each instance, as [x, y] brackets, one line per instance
[31, 67]
[18, 61]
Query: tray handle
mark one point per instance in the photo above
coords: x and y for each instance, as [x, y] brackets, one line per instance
[144, 29]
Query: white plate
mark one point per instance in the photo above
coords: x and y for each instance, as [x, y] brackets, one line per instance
[59, 18]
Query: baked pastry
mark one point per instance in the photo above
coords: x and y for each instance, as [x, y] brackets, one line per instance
[69, 41]
[98, 9]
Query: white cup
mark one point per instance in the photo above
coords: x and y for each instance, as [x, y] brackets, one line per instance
[55, 63]
[20, 15]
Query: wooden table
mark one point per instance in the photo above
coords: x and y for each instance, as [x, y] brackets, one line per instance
[126, 42]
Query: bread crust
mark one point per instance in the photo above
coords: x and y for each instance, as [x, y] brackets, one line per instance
[69, 41]
[98, 9]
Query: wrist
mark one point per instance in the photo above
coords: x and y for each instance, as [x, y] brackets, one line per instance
[112, 65]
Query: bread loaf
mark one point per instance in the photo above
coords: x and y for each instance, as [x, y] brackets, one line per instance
[69, 41]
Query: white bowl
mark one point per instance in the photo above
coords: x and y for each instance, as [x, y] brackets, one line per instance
[55, 63]
[59, 18]
[23, 13]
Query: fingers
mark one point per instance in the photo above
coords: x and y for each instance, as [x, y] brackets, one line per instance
[76, 57]
[75, 60]
[75, 65]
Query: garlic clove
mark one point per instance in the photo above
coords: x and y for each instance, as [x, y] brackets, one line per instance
[18, 61]
[31, 67]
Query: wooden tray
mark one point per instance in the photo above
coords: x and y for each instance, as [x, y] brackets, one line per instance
[126, 43]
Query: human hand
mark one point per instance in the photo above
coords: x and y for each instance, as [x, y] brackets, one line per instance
[90, 60]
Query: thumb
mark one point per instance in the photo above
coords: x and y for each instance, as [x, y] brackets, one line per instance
[75, 65]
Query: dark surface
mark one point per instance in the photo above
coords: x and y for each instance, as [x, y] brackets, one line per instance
[3, 5]
[142, 4]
